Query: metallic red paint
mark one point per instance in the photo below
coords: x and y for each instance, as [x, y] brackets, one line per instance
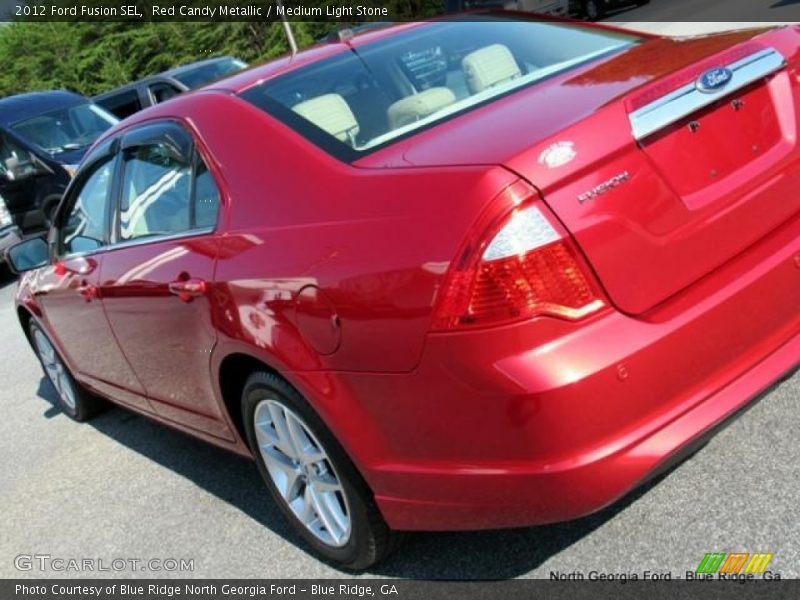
[328, 273]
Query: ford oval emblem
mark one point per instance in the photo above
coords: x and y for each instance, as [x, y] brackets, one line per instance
[714, 80]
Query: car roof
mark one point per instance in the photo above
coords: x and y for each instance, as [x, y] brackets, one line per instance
[24, 106]
[169, 73]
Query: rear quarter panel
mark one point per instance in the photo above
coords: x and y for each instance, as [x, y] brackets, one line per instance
[363, 250]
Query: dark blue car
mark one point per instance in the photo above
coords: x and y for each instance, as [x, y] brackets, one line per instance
[43, 136]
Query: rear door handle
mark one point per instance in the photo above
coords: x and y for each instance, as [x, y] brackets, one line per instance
[88, 291]
[186, 289]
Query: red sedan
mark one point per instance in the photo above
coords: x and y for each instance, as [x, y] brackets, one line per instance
[451, 275]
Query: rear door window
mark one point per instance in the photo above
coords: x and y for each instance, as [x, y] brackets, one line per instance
[164, 194]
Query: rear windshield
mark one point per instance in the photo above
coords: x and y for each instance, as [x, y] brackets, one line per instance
[363, 99]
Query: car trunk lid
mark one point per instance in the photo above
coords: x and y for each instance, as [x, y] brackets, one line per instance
[695, 167]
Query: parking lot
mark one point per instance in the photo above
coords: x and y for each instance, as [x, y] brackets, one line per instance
[124, 487]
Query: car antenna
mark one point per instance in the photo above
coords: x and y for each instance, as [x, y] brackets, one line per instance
[287, 29]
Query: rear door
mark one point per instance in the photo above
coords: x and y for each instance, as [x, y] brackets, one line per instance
[156, 279]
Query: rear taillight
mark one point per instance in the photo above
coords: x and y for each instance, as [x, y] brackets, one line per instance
[523, 267]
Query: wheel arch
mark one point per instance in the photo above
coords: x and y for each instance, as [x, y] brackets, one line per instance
[232, 374]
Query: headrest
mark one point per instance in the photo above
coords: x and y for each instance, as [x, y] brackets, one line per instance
[416, 107]
[331, 113]
[488, 67]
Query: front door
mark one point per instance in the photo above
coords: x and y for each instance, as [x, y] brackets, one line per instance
[68, 289]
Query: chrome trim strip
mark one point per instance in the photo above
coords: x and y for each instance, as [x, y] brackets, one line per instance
[687, 99]
[141, 241]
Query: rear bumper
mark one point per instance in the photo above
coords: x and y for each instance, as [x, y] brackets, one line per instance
[478, 498]
[547, 420]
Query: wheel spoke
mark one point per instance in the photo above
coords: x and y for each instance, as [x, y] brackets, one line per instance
[284, 441]
[265, 435]
[277, 459]
[322, 512]
[308, 514]
[293, 486]
[307, 452]
[334, 508]
[296, 436]
[312, 456]
[325, 483]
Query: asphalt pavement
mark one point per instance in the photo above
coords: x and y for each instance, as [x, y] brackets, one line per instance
[122, 487]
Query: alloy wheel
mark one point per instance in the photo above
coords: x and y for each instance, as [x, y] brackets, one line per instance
[55, 369]
[302, 472]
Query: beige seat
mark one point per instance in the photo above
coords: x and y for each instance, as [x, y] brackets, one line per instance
[331, 113]
[488, 67]
[416, 107]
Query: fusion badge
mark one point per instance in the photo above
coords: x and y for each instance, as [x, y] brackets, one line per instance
[607, 185]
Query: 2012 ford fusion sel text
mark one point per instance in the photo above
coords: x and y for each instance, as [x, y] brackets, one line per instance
[460, 274]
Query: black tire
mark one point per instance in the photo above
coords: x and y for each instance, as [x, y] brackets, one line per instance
[370, 539]
[593, 10]
[85, 405]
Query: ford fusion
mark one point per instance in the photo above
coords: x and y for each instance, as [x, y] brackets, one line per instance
[449, 275]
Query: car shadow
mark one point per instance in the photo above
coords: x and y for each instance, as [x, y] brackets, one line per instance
[233, 479]
[229, 477]
[497, 554]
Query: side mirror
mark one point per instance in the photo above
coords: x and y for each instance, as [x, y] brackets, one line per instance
[27, 255]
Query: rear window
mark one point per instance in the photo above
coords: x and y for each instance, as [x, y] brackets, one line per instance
[363, 99]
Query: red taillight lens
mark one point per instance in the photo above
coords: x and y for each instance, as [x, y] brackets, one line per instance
[525, 267]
